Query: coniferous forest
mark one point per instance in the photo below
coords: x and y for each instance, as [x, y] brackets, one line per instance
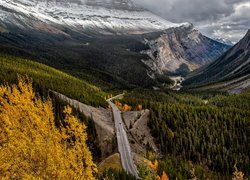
[203, 135]
[207, 132]
[125, 89]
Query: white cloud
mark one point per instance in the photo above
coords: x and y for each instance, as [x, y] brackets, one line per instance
[216, 18]
[232, 27]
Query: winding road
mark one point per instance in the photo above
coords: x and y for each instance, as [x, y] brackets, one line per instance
[122, 141]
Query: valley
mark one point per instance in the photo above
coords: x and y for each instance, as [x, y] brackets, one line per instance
[107, 89]
[97, 42]
[102, 134]
[230, 72]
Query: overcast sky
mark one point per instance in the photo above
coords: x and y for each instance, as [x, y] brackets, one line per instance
[228, 19]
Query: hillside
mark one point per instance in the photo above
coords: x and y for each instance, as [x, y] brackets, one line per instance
[107, 17]
[103, 41]
[181, 50]
[32, 146]
[230, 72]
[110, 90]
[46, 78]
[200, 134]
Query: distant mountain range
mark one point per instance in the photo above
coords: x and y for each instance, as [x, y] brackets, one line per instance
[225, 41]
[230, 72]
[110, 38]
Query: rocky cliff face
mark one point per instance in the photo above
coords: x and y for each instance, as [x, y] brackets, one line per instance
[230, 72]
[180, 50]
[102, 119]
[104, 36]
[225, 41]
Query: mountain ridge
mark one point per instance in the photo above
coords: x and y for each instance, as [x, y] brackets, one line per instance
[82, 17]
[181, 50]
[225, 41]
[77, 38]
[229, 72]
[117, 4]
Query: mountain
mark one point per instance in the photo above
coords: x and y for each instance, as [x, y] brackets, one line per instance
[103, 41]
[230, 72]
[80, 53]
[107, 17]
[181, 50]
[224, 41]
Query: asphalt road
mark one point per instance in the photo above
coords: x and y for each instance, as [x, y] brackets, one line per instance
[122, 141]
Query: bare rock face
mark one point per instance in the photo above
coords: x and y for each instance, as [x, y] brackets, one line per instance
[230, 72]
[180, 50]
[28, 24]
[103, 121]
[136, 125]
[139, 133]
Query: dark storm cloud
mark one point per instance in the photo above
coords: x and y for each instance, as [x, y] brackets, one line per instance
[216, 18]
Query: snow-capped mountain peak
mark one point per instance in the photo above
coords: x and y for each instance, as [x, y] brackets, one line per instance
[115, 4]
[224, 41]
[105, 16]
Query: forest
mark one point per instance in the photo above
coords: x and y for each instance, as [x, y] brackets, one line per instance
[207, 132]
[200, 134]
[46, 78]
[32, 146]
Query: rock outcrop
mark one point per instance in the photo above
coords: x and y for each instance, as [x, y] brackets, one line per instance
[181, 50]
[230, 72]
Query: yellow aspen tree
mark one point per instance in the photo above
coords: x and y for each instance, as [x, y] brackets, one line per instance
[158, 178]
[164, 176]
[125, 107]
[153, 166]
[139, 107]
[31, 146]
[237, 175]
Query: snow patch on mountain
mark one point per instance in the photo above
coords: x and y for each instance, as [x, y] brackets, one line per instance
[224, 41]
[81, 16]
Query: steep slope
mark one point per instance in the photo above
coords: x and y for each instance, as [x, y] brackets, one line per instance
[230, 72]
[225, 41]
[107, 17]
[183, 49]
[86, 99]
[102, 41]
[103, 60]
[46, 78]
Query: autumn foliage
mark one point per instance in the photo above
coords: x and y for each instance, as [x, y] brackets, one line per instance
[108, 96]
[237, 175]
[164, 176]
[31, 146]
[149, 171]
[153, 166]
[139, 107]
[124, 107]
